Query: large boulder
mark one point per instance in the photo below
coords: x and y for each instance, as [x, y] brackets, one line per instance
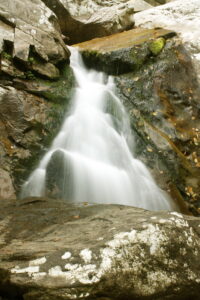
[101, 22]
[157, 83]
[83, 20]
[52, 250]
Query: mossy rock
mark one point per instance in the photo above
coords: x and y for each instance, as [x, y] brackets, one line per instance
[157, 45]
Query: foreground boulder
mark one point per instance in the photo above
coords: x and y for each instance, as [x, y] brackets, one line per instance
[52, 250]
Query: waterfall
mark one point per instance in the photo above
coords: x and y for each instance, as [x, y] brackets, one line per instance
[91, 158]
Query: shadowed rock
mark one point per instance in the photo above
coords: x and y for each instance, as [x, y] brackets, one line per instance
[59, 180]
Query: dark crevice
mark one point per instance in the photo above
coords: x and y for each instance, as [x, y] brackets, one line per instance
[7, 21]
[8, 47]
[35, 55]
[17, 144]
[28, 129]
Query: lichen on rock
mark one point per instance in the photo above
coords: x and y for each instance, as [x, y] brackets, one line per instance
[131, 252]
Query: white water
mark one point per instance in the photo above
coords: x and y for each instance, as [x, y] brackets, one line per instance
[95, 140]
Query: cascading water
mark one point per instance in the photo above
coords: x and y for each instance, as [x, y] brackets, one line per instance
[91, 153]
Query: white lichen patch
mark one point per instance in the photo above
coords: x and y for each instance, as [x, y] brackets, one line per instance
[176, 214]
[71, 267]
[133, 252]
[164, 221]
[32, 269]
[76, 273]
[182, 251]
[29, 270]
[66, 255]
[39, 275]
[33, 32]
[158, 280]
[55, 271]
[86, 255]
[180, 222]
[38, 261]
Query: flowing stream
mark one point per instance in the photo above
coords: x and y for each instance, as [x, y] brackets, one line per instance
[91, 158]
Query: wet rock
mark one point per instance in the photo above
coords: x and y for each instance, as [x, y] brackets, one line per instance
[27, 123]
[160, 91]
[162, 99]
[59, 183]
[123, 52]
[50, 250]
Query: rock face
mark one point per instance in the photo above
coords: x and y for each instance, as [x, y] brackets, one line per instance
[50, 250]
[35, 85]
[25, 24]
[6, 186]
[157, 83]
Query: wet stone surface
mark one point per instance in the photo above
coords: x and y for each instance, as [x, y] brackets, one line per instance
[158, 85]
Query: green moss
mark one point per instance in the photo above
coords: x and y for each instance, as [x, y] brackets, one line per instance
[31, 59]
[90, 53]
[59, 91]
[157, 46]
[29, 75]
[6, 55]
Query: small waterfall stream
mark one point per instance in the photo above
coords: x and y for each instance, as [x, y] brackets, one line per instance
[93, 146]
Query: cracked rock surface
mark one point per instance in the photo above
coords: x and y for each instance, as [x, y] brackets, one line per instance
[24, 24]
[53, 250]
